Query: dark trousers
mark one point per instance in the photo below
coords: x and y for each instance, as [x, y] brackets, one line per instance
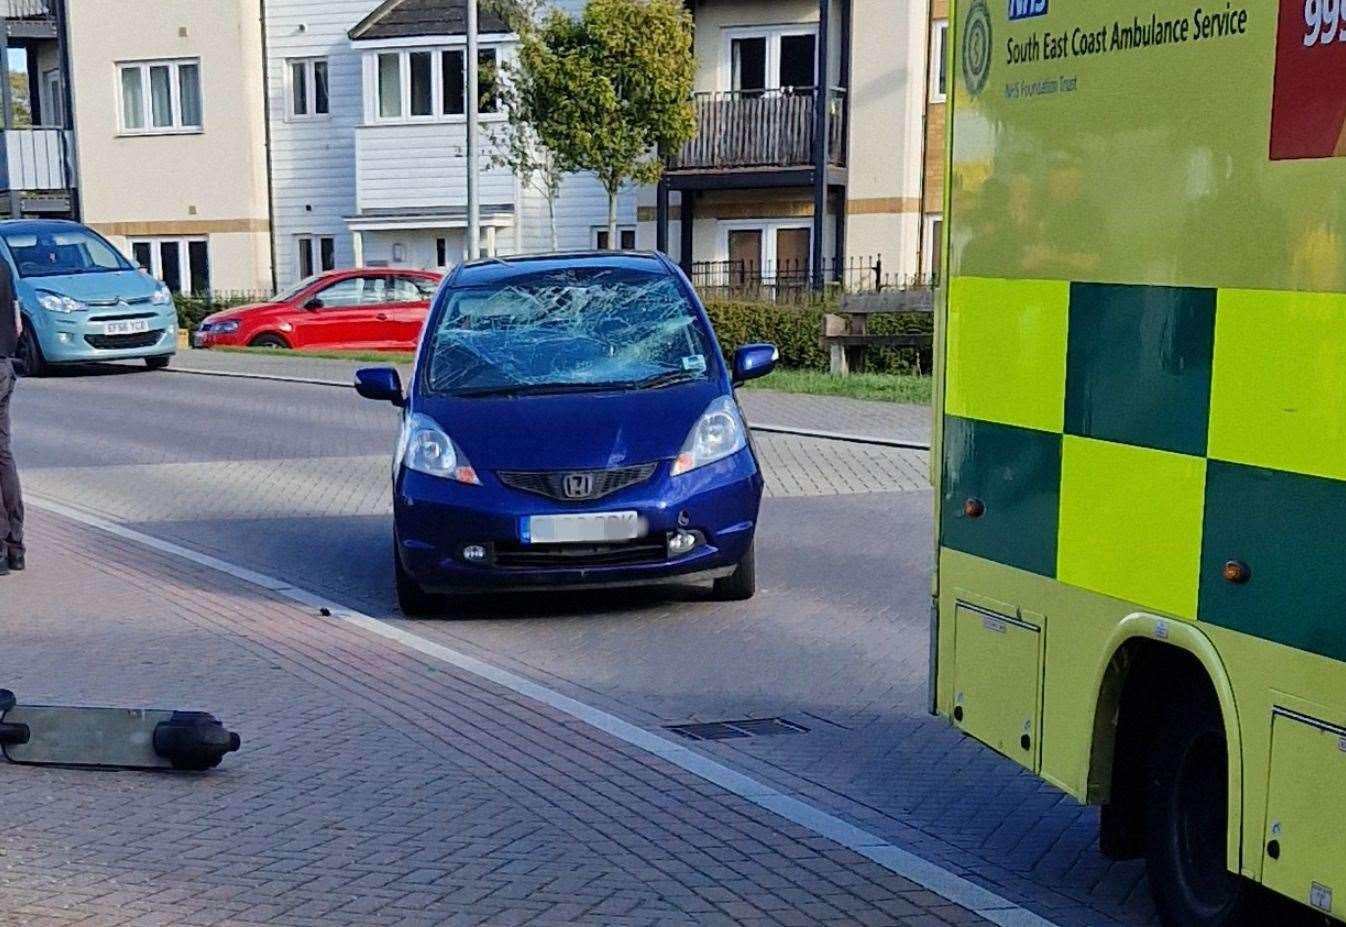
[11, 499]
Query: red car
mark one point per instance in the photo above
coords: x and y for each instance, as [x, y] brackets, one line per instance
[351, 310]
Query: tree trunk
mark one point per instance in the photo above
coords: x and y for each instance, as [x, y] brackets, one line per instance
[551, 216]
[614, 241]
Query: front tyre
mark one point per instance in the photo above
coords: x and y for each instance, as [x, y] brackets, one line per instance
[30, 356]
[412, 600]
[741, 584]
[1186, 817]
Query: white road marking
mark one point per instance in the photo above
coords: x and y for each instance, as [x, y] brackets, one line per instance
[923, 872]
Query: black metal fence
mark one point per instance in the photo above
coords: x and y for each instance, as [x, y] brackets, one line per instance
[792, 280]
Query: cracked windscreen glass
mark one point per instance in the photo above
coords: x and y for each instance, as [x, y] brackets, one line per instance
[569, 330]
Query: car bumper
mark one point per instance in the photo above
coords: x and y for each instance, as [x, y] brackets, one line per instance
[75, 340]
[437, 520]
[204, 340]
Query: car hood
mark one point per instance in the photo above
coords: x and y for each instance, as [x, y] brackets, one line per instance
[578, 431]
[117, 284]
[238, 312]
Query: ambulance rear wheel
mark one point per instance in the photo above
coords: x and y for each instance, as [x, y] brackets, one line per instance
[1186, 817]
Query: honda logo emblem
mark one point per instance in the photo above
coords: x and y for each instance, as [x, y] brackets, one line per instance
[578, 485]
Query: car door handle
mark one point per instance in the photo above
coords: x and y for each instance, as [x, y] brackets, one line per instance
[383, 317]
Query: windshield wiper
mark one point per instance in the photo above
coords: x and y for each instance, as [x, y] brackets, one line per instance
[534, 389]
[667, 378]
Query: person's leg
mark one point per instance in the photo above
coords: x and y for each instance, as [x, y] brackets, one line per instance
[11, 498]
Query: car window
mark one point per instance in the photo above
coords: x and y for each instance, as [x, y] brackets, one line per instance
[60, 252]
[425, 287]
[570, 327]
[353, 291]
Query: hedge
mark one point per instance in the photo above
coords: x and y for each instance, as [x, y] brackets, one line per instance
[795, 330]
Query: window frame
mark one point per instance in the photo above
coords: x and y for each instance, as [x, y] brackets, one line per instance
[769, 228]
[183, 242]
[939, 56]
[773, 36]
[310, 66]
[312, 245]
[143, 67]
[373, 98]
[622, 230]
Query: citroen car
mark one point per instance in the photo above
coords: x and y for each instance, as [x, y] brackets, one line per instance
[570, 422]
[82, 300]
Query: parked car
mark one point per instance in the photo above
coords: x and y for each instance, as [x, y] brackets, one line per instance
[570, 422]
[82, 300]
[366, 309]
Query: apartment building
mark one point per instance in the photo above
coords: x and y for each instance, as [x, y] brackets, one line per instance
[811, 143]
[168, 138]
[369, 137]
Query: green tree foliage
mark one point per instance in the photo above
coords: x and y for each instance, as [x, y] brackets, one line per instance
[606, 91]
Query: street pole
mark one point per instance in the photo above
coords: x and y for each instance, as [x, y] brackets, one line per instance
[473, 204]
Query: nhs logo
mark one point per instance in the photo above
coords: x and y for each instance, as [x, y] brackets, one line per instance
[1026, 9]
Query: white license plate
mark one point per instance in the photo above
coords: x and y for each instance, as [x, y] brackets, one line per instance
[129, 327]
[585, 528]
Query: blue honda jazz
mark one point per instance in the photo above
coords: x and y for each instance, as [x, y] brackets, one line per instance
[570, 423]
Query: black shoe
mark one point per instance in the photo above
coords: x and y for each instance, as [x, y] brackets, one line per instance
[16, 561]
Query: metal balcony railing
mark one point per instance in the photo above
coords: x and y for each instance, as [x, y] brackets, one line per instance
[762, 129]
[35, 159]
[26, 9]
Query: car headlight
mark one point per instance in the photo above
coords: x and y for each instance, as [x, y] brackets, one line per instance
[55, 302]
[425, 448]
[219, 328]
[162, 296]
[718, 434]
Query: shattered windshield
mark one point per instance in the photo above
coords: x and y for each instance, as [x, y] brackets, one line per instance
[565, 330]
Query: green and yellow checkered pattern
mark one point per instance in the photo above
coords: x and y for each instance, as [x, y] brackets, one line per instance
[1130, 440]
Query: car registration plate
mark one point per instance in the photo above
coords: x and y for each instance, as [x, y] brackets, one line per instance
[581, 528]
[126, 327]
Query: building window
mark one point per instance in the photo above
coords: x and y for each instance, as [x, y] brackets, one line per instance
[934, 248]
[160, 96]
[183, 264]
[627, 236]
[423, 85]
[939, 54]
[777, 252]
[317, 254]
[308, 88]
[441, 252]
[760, 60]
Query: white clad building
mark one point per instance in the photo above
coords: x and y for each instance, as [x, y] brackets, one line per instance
[368, 138]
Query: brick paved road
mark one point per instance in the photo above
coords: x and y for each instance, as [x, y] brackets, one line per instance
[373, 789]
[836, 641]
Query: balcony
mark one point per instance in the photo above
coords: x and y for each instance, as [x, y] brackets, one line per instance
[36, 169]
[762, 130]
[29, 19]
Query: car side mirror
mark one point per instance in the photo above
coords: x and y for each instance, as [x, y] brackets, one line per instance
[383, 384]
[754, 360]
[314, 303]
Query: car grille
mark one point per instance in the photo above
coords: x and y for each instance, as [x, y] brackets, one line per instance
[521, 556]
[552, 484]
[122, 342]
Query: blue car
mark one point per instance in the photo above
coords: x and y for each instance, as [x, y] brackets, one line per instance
[82, 300]
[570, 423]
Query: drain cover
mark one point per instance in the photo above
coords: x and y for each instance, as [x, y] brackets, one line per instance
[728, 730]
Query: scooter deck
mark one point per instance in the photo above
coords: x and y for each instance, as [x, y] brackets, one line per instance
[118, 738]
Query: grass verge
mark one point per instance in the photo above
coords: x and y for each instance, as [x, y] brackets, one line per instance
[892, 387]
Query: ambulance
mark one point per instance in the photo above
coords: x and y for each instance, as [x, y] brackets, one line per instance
[1140, 452]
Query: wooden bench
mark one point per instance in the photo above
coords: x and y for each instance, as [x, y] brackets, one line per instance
[846, 332]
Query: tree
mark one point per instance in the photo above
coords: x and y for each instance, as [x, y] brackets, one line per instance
[517, 144]
[610, 89]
